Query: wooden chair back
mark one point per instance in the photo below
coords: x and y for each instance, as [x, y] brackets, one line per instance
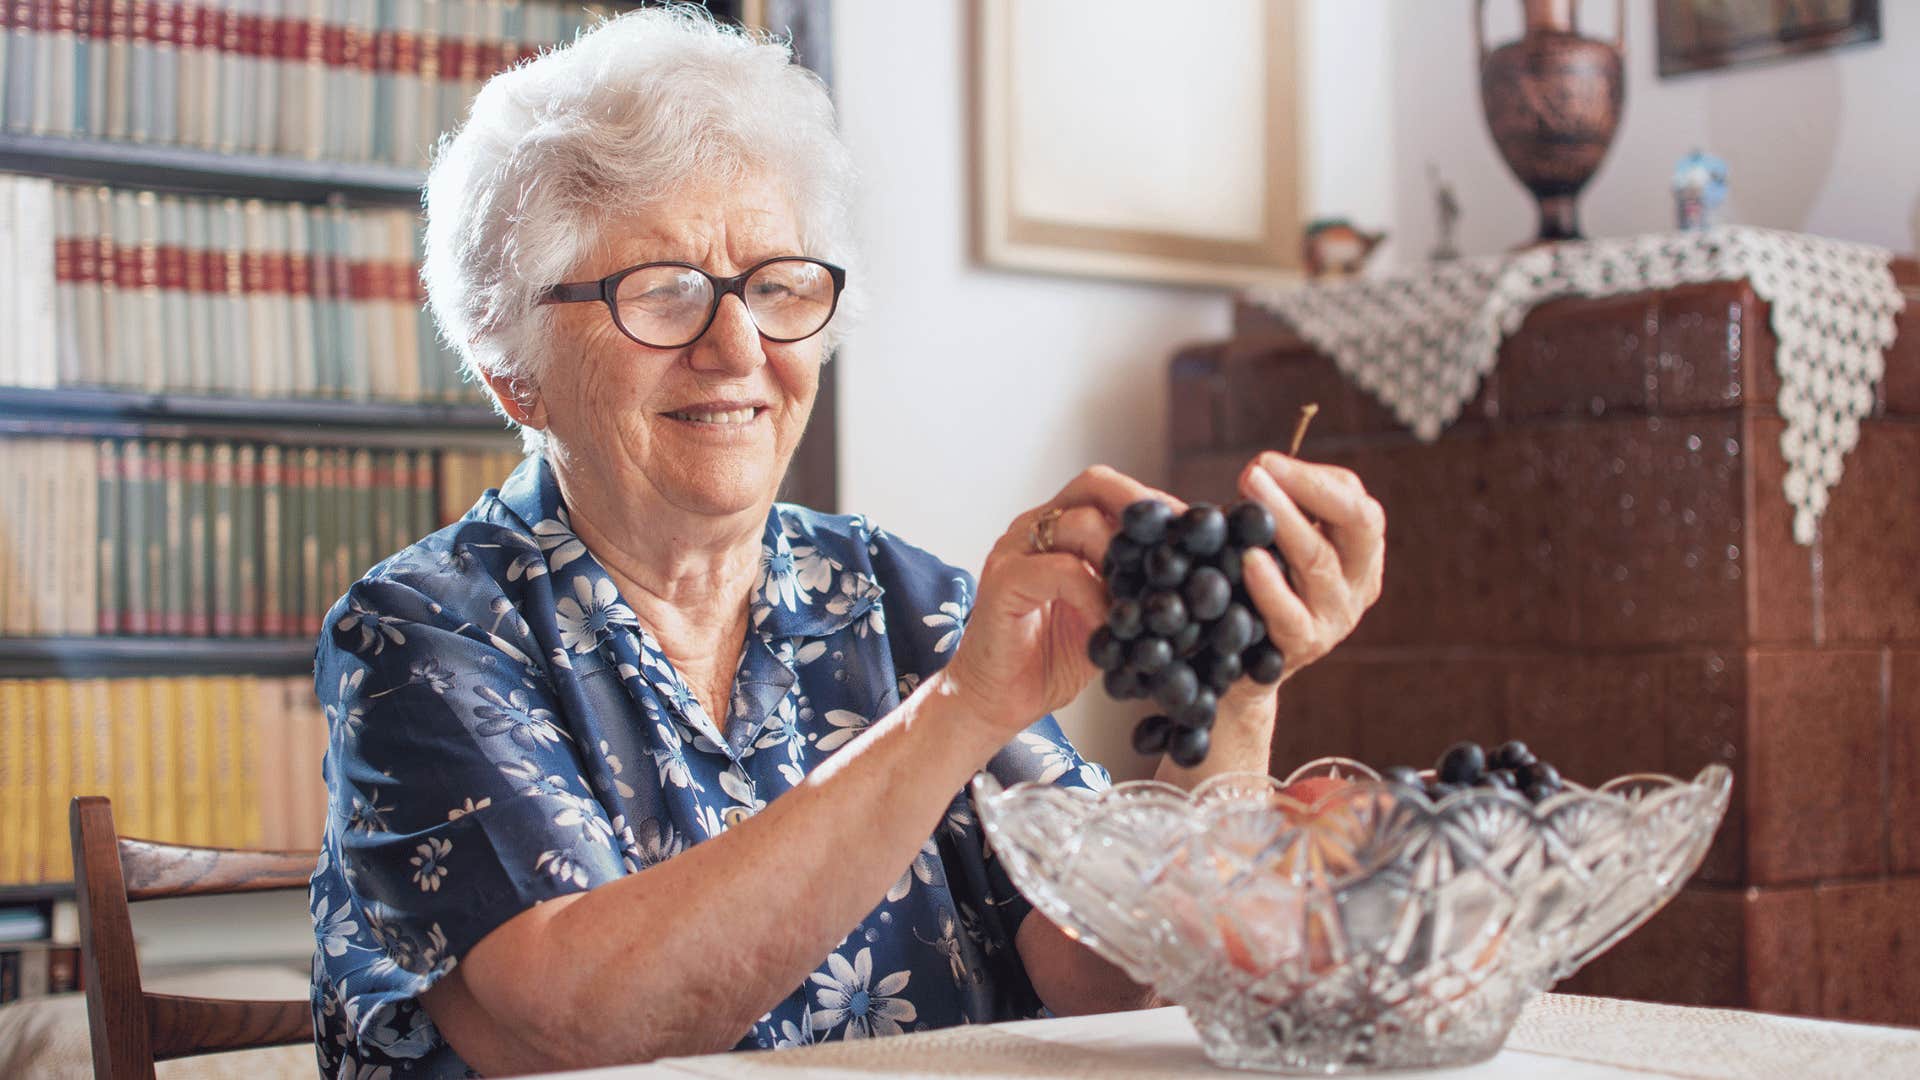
[131, 1029]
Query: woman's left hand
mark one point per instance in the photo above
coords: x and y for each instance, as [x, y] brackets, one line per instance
[1333, 537]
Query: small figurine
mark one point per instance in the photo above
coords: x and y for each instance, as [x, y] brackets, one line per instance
[1699, 190]
[1449, 209]
[1334, 248]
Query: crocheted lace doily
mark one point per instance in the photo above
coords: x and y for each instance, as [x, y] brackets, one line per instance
[1421, 343]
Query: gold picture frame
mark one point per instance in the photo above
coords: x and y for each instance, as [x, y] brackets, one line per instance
[1082, 207]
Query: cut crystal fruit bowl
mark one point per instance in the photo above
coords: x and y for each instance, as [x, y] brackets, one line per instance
[1372, 930]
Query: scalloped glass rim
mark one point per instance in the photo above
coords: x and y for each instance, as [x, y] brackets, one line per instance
[1373, 928]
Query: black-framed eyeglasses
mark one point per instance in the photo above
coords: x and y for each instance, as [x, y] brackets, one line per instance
[669, 305]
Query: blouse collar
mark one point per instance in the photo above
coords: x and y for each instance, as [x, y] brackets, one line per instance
[804, 589]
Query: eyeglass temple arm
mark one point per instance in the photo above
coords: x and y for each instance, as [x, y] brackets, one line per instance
[574, 292]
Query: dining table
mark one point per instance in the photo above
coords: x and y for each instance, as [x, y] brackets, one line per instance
[1557, 1036]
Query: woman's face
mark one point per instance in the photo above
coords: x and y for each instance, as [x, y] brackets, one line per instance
[625, 418]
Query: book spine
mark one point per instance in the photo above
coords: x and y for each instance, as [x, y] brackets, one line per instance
[133, 494]
[273, 583]
[198, 566]
[34, 277]
[198, 288]
[293, 617]
[66, 288]
[112, 571]
[155, 490]
[86, 263]
[246, 529]
[172, 260]
[163, 749]
[13, 779]
[311, 586]
[33, 764]
[153, 360]
[193, 785]
[226, 572]
[132, 756]
[300, 288]
[83, 571]
[56, 727]
[360, 532]
[173, 573]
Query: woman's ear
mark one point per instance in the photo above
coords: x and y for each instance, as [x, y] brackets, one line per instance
[519, 398]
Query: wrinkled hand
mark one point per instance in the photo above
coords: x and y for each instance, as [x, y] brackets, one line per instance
[1335, 565]
[1025, 650]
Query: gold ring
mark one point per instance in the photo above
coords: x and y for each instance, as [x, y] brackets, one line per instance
[1040, 533]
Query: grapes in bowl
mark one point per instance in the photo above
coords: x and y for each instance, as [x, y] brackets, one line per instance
[1369, 926]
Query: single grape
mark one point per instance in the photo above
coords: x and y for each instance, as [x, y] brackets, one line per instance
[1404, 775]
[1264, 663]
[1512, 754]
[1199, 712]
[1249, 525]
[1166, 566]
[1123, 684]
[1106, 651]
[1189, 640]
[1438, 789]
[1230, 562]
[1163, 612]
[1175, 685]
[1189, 747]
[1203, 529]
[1539, 793]
[1149, 655]
[1151, 735]
[1218, 670]
[1127, 584]
[1145, 522]
[1207, 594]
[1463, 763]
[1233, 631]
[1125, 618]
[1123, 553]
[1504, 779]
[1542, 773]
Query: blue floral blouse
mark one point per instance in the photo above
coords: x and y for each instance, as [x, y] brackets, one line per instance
[504, 731]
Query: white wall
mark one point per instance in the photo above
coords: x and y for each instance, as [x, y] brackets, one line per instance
[1826, 144]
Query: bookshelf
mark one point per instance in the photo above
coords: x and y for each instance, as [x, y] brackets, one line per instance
[192, 170]
[383, 422]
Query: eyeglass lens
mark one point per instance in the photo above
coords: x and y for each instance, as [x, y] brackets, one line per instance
[668, 306]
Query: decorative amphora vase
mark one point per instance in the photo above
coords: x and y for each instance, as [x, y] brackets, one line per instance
[1553, 100]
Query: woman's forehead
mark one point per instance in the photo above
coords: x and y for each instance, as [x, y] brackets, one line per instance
[747, 221]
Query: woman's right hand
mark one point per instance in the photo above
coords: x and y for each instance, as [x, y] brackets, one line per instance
[1024, 653]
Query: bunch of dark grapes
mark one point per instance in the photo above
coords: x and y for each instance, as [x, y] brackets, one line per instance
[1181, 628]
[1467, 764]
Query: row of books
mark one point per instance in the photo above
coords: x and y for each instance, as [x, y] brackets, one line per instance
[222, 761]
[217, 539]
[136, 290]
[31, 969]
[343, 80]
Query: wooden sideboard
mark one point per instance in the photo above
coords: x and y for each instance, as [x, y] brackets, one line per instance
[1598, 558]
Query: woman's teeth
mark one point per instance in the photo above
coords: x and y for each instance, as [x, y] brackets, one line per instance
[734, 416]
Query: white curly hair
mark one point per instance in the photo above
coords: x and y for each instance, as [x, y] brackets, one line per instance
[631, 110]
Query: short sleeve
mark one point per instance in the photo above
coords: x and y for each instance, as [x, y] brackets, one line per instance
[457, 799]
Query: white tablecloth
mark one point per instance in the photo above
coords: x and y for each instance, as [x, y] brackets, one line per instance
[1558, 1037]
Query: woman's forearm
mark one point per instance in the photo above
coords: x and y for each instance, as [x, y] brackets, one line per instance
[683, 957]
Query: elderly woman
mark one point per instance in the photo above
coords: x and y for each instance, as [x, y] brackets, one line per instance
[632, 760]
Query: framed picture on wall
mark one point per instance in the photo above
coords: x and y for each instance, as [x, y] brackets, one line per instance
[1117, 138]
[1699, 35]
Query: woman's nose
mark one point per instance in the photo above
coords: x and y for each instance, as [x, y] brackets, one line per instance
[732, 344]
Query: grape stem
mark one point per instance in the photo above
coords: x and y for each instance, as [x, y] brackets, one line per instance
[1300, 428]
